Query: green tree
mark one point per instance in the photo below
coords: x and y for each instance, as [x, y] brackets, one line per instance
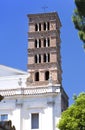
[1, 97]
[74, 117]
[79, 19]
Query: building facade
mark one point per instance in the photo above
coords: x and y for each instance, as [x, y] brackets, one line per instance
[35, 97]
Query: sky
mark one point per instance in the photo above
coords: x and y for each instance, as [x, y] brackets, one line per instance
[14, 43]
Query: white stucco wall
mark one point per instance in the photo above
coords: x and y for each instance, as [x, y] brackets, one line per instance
[19, 106]
[20, 110]
[11, 82]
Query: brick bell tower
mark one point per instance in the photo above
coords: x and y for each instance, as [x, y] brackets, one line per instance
[44, 59]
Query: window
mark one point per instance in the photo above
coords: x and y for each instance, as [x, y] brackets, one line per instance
[35, 121]
[37, 76]
[37, 43]
[48, 60]
[46, 26]
[46, 42]
[46, 57]
[47, 75]
[37, 58]
[4, 117]
[39, 26]
[36, 27]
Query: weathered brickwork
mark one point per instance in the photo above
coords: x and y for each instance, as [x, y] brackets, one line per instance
[53, 42]
[44, 60]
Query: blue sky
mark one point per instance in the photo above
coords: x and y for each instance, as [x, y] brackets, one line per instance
[13, 39]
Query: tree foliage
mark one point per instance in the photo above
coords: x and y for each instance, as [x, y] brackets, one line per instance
[74, 117]
[79, 18]
[1, 97]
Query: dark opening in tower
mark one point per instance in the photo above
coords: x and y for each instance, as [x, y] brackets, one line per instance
[37, 76]
[47, 75]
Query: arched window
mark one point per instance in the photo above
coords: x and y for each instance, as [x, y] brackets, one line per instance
[35, 58]
[38, 58]
[48, 25]
[46, 57]
[37, 76]
[36, 27]
[44, 26]
[39, 42]
[35, 43]
[46, 42]
[47, 75]
[39, 26]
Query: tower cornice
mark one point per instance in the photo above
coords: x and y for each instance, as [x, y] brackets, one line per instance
[46, 16]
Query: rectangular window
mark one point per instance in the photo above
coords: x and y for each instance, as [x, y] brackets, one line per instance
[35, 121]
[4, 117]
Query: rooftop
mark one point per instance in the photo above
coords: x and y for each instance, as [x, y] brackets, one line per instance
[8, 71]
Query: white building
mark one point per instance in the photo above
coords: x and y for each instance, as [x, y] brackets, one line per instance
[36, 99]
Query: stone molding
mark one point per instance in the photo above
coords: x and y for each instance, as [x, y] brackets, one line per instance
[29, 91]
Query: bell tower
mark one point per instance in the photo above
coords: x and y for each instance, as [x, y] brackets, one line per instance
[44, 59]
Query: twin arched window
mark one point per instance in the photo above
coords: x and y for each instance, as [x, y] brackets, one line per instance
[46, 26]
[46, 57]
[46, 76]
[37, 43]
[38, 27]
[46, 42]
[38, 58]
